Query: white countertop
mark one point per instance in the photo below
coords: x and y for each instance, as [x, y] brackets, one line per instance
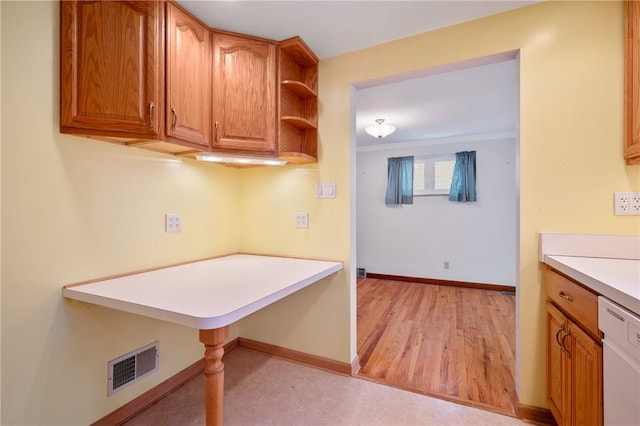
[608, 264]
[616, 279]
[206, 294]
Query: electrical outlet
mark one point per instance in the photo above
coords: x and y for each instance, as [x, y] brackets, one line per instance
[173, 222]
[634, 203]
[626, 203]
[302, 220]
[621, 203]
[446, 264]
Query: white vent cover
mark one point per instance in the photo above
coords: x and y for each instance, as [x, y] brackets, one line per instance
[132, 367]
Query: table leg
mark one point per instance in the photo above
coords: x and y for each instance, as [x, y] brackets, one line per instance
[214, 373]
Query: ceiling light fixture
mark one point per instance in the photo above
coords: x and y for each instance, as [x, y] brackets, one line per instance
[240, 160]
[380, 130]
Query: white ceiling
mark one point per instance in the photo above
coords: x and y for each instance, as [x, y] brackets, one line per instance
[468, 101]
[436, 104]
[334, 27]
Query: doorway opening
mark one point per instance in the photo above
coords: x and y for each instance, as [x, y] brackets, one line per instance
[436, 312]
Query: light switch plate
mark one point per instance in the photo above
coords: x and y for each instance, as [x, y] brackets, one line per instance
[326, 190]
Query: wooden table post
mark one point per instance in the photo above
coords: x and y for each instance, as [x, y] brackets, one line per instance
[214, 373]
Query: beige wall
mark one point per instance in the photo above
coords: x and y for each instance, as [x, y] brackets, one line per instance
[316, 319]
[0, 220]
[75, 209]
[571, 162]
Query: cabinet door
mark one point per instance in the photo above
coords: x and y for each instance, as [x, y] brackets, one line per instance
[586, 378]
[188, 107]
[244, 94]
[558, 390]
[632, 83]
[112, 68]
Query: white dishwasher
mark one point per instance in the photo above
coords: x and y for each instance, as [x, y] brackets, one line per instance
[621, 364]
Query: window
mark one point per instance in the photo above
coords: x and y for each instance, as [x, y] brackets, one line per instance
[432, 174]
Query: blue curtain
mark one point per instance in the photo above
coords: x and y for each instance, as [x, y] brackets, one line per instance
[463, 182]
[399, 181]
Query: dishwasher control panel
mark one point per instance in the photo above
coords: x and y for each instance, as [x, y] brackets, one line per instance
[620, 327]
[634, 335]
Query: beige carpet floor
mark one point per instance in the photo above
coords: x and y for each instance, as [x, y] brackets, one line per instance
[263, 390]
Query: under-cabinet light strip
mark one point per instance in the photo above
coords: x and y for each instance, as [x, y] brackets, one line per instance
[240, 160]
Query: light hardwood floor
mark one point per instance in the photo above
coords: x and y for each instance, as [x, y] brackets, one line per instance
[451, 342]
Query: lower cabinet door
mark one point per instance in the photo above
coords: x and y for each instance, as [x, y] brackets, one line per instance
[574, 372]
[558, 390]
[586, 378]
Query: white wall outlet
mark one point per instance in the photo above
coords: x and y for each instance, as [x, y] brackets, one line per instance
[634, 203]
[326, 190]
[446, 264]
[626, 203]
[621, 203]
[302, 220]
[173, 222]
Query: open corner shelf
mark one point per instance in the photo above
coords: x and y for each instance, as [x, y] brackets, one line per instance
[298, 122]
[298, 102]
[298, 88]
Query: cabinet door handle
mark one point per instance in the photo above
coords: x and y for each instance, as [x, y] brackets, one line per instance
[151, 106]
[174, 119]
[564, 347]
[566, 296]
[217, 127]
[560, 330]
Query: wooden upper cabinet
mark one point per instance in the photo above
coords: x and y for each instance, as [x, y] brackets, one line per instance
[112, 68]
[188, 106]
[244, 94]
[632, 83]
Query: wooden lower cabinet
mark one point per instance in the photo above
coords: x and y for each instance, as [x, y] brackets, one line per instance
[557, 367]
[574, 371]
[586, 377]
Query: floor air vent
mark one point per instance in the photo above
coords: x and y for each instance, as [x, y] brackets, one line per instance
[132, 367]
[362, 273]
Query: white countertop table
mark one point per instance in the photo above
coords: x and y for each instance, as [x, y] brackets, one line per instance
[608, 264]
[208, 295]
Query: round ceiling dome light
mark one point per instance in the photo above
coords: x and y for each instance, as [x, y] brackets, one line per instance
[380, 129]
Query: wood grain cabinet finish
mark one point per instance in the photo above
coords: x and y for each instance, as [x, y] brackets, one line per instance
[582, 304]
[574, 366]
[112, 68]
[298, 66]
[558, 390]
[188, 82]
[216, 91]
[244, 94]
[632, 82]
